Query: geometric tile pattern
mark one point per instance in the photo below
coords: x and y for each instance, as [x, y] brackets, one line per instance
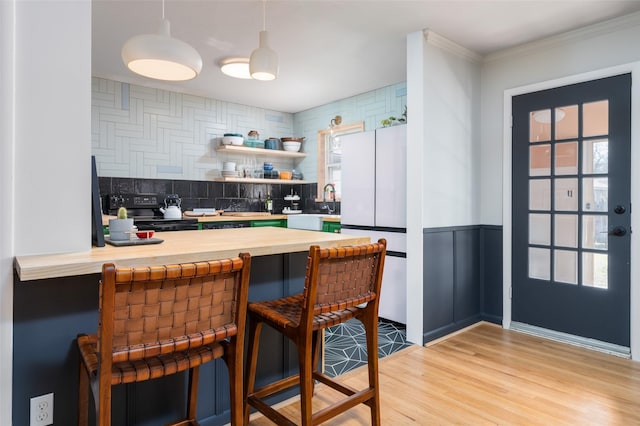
[346, 348]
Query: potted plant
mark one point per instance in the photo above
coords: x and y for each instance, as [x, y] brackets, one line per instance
[393, 120]
[120, 228]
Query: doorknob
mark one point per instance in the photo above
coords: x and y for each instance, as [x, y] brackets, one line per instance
[618, 231]
[619, 209]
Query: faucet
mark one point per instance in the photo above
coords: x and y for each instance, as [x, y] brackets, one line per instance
[332, 191]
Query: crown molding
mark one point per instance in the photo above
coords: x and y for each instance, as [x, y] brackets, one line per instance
[437, 40]
[590, 31]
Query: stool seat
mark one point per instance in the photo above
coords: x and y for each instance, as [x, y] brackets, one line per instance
[340, 284]
[285, 313]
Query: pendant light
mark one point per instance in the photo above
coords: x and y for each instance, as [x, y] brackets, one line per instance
[263, 64]
[161, 56]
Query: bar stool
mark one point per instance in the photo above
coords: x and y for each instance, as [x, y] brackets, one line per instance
[340, 284]
[160, 320]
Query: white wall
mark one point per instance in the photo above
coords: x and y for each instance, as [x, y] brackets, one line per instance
[7, 37]
[53, 126]
[451, 169]
[415, 201]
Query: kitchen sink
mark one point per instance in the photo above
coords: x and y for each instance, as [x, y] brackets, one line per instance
[311, 222]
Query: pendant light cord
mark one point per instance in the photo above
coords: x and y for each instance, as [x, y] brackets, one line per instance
[264, 15]
[163, 10]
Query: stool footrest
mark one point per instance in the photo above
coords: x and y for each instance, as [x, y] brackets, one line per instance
[347, 390]
[274, 387]
[269, 412]
[340, 407]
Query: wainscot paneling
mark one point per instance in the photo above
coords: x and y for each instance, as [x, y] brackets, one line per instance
[462, 272]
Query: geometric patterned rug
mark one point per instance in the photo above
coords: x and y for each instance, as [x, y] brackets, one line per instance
[346, 348]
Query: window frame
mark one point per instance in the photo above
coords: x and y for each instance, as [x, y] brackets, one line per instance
[342, 129]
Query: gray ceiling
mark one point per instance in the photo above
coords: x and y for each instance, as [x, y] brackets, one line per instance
[328, 49]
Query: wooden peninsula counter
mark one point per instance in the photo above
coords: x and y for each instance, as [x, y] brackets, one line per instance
[56, 298]
[178, 247]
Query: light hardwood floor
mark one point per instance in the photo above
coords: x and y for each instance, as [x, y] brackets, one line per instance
[490, 376]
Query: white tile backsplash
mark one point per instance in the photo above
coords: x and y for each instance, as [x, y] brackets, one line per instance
[143, 132]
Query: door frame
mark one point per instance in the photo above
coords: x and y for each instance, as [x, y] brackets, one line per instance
[634, 69]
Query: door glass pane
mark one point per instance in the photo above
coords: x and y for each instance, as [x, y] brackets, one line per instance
[540, 126]
[566, 230]
[567, 122]
[594, 232]
[540, 160]
[595, 270]
[566, 194]
[540, 194]
[595, 194]
[565, 266]
[566, 159]
[595, 156]
[595, 119]
[540, 229]
[539, 260]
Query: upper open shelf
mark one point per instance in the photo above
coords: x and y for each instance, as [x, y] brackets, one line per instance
[237, 149]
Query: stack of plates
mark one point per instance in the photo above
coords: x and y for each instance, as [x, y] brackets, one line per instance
[230, 173]
[228, 166]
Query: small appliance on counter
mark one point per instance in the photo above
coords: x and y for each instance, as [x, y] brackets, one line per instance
[151, 212]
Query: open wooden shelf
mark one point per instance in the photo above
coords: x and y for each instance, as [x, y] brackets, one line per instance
[252, 180]
[237, 149]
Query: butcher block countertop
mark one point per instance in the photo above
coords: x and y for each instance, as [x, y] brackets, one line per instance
[180, 247]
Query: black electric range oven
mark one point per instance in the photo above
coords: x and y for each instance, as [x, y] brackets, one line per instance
[144, 209]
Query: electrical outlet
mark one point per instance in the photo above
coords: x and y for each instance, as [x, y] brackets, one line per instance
[41, 410]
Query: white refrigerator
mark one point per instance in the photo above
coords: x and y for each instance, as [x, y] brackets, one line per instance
[373, 204]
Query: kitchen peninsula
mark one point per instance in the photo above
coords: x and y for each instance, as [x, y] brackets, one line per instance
[181, 246]
[56, 298]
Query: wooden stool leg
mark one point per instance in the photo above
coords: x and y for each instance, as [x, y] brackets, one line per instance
[370, 322]
[192, 397]
[317, 345]
[233, 359]
[255, 328]
[305, 361]
[83, 396]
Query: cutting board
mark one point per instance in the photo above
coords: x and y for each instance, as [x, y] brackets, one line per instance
[246, 214]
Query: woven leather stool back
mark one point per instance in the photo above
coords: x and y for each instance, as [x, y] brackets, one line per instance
[346, 276]
[168, 308]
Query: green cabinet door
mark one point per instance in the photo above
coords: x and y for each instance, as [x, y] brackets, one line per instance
[333, 227]
[278, 223]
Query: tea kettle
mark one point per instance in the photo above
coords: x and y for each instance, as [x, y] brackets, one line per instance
[171, 208]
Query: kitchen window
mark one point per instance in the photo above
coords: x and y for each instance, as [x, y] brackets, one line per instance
[330, 156]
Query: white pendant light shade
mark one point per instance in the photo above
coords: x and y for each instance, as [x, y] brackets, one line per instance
[263, 64]
[161, 56]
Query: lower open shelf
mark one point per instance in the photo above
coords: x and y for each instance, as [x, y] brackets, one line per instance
[253, 180]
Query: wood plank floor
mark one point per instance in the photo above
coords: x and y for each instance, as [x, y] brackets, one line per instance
[490, 376]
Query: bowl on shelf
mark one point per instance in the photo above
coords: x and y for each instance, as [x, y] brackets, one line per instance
[254, 143]
[291, 146]
[285, 175]
[232, 139]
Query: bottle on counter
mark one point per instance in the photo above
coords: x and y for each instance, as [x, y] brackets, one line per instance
[268, 204]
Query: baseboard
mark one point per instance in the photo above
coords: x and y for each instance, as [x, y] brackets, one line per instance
[583, 342]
